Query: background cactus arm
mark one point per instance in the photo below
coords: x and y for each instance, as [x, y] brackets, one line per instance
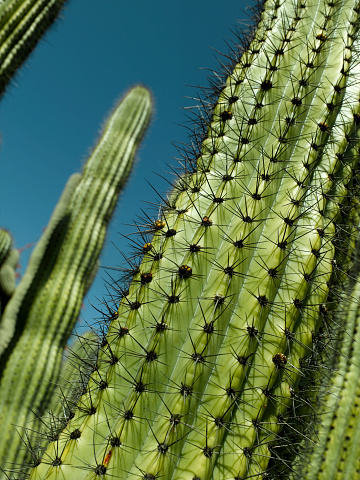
[8, 262]
[22, 23]
[13, 321]
[48, 304]
[5, 244]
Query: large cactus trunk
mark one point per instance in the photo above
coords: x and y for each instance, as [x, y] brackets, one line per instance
[203, 362]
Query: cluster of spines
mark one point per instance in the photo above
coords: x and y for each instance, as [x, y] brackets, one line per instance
[202, 361]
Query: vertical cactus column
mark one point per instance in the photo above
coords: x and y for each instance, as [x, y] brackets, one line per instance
[201, 364]
[332, 452]
[8, 261]
[42, 312]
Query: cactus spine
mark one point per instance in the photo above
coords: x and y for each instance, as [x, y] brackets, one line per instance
[335, 441]
[203, 359]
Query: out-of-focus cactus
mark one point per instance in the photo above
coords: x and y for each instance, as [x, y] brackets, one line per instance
[9, 258]
[210, 364]
[22, 23]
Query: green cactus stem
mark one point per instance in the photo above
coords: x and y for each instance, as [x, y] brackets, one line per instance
[41, 314]
[333, 452]
[73, 379]
[8, 276]
[201, 365]
[22, 23]
[8, 262]
[5, 244]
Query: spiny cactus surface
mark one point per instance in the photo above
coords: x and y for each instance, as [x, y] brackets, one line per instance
[332, 451]
[201, 366]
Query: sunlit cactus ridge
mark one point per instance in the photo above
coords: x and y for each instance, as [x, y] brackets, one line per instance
[203, 362]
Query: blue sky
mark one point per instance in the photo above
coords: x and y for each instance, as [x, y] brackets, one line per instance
[52, 114]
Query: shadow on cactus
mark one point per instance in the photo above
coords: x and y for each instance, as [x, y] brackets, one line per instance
[210, 362]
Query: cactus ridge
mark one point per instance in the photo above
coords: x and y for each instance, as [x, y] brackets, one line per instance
[203, 358]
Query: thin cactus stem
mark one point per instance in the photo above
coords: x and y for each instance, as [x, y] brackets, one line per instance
[8, 261]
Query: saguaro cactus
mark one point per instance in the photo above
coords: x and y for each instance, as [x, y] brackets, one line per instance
[203, 365]
[42, 312]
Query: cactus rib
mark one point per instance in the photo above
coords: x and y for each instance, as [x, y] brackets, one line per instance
[336, 438]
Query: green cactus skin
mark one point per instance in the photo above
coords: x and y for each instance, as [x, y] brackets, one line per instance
[8, 262]
[22, 23]
[337, 439]
[203, 357]
[47, 302]
[5, 245]
[8, 278]
[13, 319]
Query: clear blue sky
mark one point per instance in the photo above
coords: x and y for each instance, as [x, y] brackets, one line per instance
[51, 115]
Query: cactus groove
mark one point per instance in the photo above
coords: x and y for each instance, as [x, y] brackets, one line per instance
[202, 362]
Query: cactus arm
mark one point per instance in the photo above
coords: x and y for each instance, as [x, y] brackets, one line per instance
[47, 302]
[8, 277]
[50, 241]
[200, 365]
[22, 23]
[340, 424]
